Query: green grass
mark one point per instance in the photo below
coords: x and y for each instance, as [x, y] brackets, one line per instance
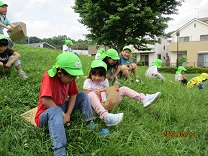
[140, 133]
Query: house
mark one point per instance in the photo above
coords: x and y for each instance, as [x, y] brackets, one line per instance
[42, 45]
[92, 50]
[157, 51]
[191, 41]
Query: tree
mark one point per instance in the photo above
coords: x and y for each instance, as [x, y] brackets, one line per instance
[123, 22]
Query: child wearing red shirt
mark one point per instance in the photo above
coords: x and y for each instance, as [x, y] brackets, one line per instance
[59, 98]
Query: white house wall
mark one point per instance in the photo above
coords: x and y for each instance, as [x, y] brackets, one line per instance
[193, 32]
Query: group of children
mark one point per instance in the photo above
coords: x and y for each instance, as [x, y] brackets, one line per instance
[197, 81]
[8, 57]
[59, 96]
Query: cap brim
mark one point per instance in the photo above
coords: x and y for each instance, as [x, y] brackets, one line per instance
[116, 58]
[75, 72]
[127, 49]
[4, 5]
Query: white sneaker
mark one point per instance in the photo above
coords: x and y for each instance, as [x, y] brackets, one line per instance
[23, 75]
[137, 80]
[150, 98]
[116, 82]
[113, 119]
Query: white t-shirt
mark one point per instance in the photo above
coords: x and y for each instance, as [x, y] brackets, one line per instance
[178, 77]
[97, 56]
[89, 85]
[151, 71]
[66, 48]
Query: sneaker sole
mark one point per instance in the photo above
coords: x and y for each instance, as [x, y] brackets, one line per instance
[153, 100]
[121, 117]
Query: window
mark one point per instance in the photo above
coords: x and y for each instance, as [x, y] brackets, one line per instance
[145, 59]
[194, 25]
[182, 54]
[159, 40]
[163, 47]
[203, 60]
[184, 39]
[159, 56]
[203, 37]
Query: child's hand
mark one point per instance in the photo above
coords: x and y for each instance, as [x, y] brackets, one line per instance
[8, 64]
[9, 28]
[1, 64]
[97, 92]
[111, 77]
[116, 87]
[197, 84]
[66, 117]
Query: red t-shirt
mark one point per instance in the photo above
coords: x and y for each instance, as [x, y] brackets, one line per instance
[58, 91]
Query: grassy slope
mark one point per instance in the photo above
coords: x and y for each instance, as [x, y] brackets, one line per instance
[140, 133]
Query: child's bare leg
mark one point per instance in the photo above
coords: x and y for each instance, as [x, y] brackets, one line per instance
[125, 71]
[135, 69]
[18, 67]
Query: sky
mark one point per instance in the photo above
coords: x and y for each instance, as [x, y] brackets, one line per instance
[49, 18]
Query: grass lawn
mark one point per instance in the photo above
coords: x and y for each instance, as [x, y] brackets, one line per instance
[177, 124]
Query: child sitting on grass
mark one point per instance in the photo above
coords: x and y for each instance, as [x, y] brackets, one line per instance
[126, 64]
[99, 53]
[179, 76]
[198, 81]
[97, 80]
[59, 98]
[152, 72]
[110, 57]
[9, 57]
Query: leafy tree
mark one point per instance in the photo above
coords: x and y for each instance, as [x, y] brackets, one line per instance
[123, 22]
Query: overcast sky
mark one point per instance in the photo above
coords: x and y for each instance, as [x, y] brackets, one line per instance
[48, 18]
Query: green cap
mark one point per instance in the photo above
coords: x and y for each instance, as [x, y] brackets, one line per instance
[101, 50]
[127, 47]
[68, 42]
[3, 37]
[180, 69]
[157, 63]
[2, 4]
[70, 62]
[98, 63]
[204, 76]
[112, 53]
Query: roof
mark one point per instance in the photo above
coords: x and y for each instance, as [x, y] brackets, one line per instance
[205, 19]
[201, 20]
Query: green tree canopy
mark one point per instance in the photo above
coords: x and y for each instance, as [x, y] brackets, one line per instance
[123, 22]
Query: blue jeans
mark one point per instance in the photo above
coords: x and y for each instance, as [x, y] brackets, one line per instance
[201, 86]
[53, 119]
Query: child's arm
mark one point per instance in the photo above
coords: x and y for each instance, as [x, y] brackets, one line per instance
[71, 104]
[1, 64]
[97, 92]
[87, 91]
[116, 73]
[8, 27]
[15, 58]
[12, 25]
[48, 102]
